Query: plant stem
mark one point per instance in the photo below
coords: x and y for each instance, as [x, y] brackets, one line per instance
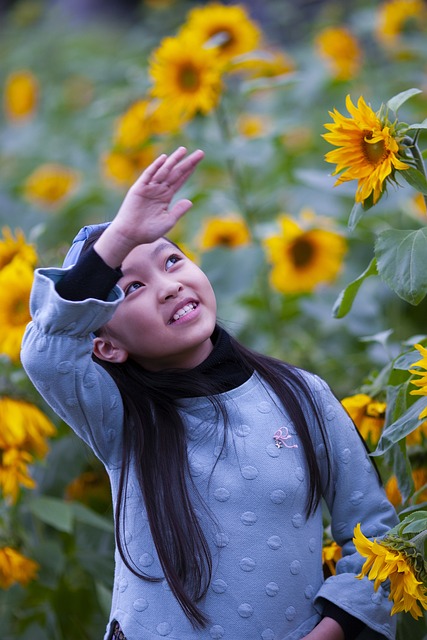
[236, 177]
[419, 161]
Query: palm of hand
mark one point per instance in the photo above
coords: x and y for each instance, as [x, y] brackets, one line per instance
[146, 212]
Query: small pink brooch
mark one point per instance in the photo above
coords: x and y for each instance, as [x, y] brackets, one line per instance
[280, 436]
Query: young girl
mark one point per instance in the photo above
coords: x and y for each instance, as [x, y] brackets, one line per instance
[219, 458]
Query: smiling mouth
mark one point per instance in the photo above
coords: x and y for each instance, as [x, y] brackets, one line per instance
[180, 313]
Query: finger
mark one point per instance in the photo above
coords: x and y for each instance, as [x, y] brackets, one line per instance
[186, 167]
[165, 169]
[179, 209]
[148, 173]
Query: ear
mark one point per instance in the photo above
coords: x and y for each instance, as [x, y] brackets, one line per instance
[105, 350]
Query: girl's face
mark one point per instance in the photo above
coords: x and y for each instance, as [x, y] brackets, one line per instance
[168, 314]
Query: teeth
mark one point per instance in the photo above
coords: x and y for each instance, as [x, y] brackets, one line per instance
[181, 312]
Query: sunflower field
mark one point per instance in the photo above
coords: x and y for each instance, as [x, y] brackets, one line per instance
[309, 217]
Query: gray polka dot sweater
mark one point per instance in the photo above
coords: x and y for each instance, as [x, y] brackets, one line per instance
[267, 579]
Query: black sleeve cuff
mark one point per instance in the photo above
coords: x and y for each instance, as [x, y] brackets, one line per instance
[350, 625]
[90, 277]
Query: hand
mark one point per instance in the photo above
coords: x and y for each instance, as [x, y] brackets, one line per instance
[144, 215]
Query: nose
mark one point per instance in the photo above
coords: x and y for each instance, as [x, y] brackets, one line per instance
[168, 289]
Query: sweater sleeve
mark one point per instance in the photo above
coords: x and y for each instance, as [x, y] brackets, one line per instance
[57, 356]
[90, 277]
[350, 625]
[354, 494]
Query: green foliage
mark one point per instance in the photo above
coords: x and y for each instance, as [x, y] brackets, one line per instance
[401, 258]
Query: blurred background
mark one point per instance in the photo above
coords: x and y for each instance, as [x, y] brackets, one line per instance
[92, 91]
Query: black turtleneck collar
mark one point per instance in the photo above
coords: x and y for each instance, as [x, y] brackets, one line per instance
[222, 371]
[223, 366]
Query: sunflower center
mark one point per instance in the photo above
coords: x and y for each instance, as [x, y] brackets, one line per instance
[374, 151]
[302, 252]
[189, 78]
[224, 240]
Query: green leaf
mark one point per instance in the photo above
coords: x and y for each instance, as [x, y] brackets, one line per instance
[53, 511]
[403, 426]
[415, 179]
[396, 101]
[359, 208]
[414, 523]
[401, 259]
[406, 360]
[346, 298]
[403, 470]
[87, 516]
[413, 507]
[104, 597]
[261, 84]
[380, 338]
[421, 125]
[50, 555]
[355, 215]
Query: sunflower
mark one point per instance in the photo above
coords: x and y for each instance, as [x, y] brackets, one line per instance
[331, 553]
[20, 95]
[50, 184]
[418, 205]
[227, 29]
[186, 77]
[162, 120]
[132, 126]
[16, 246]
[395, 15]
[340, 50]
[24, 426]
[124, 167]
[419, 477]
[367, 414]
[92, 488]
[143, 119]
[15, 568]
[418, 435]
[301, 259]
[16, 280]
[251, 125]
[421, 382]
[14, 473]
[230, 232]
[268, 63]
[368, 149]
[396, 560]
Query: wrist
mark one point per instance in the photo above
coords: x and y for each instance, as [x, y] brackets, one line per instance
[113, 246]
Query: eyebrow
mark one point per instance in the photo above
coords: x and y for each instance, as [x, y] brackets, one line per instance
[155, 252]
[160, 248]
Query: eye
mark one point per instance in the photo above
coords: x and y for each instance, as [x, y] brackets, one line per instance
[133, 286]
[173, 259]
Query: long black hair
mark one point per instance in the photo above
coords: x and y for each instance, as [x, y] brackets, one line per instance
[155, 446]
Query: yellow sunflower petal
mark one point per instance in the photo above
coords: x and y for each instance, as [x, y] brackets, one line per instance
[367, 149]
[226, 29]
[187, 78]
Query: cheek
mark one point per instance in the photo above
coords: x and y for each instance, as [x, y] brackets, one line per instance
[206, 287]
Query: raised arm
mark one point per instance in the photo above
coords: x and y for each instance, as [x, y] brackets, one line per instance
[146, 213]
